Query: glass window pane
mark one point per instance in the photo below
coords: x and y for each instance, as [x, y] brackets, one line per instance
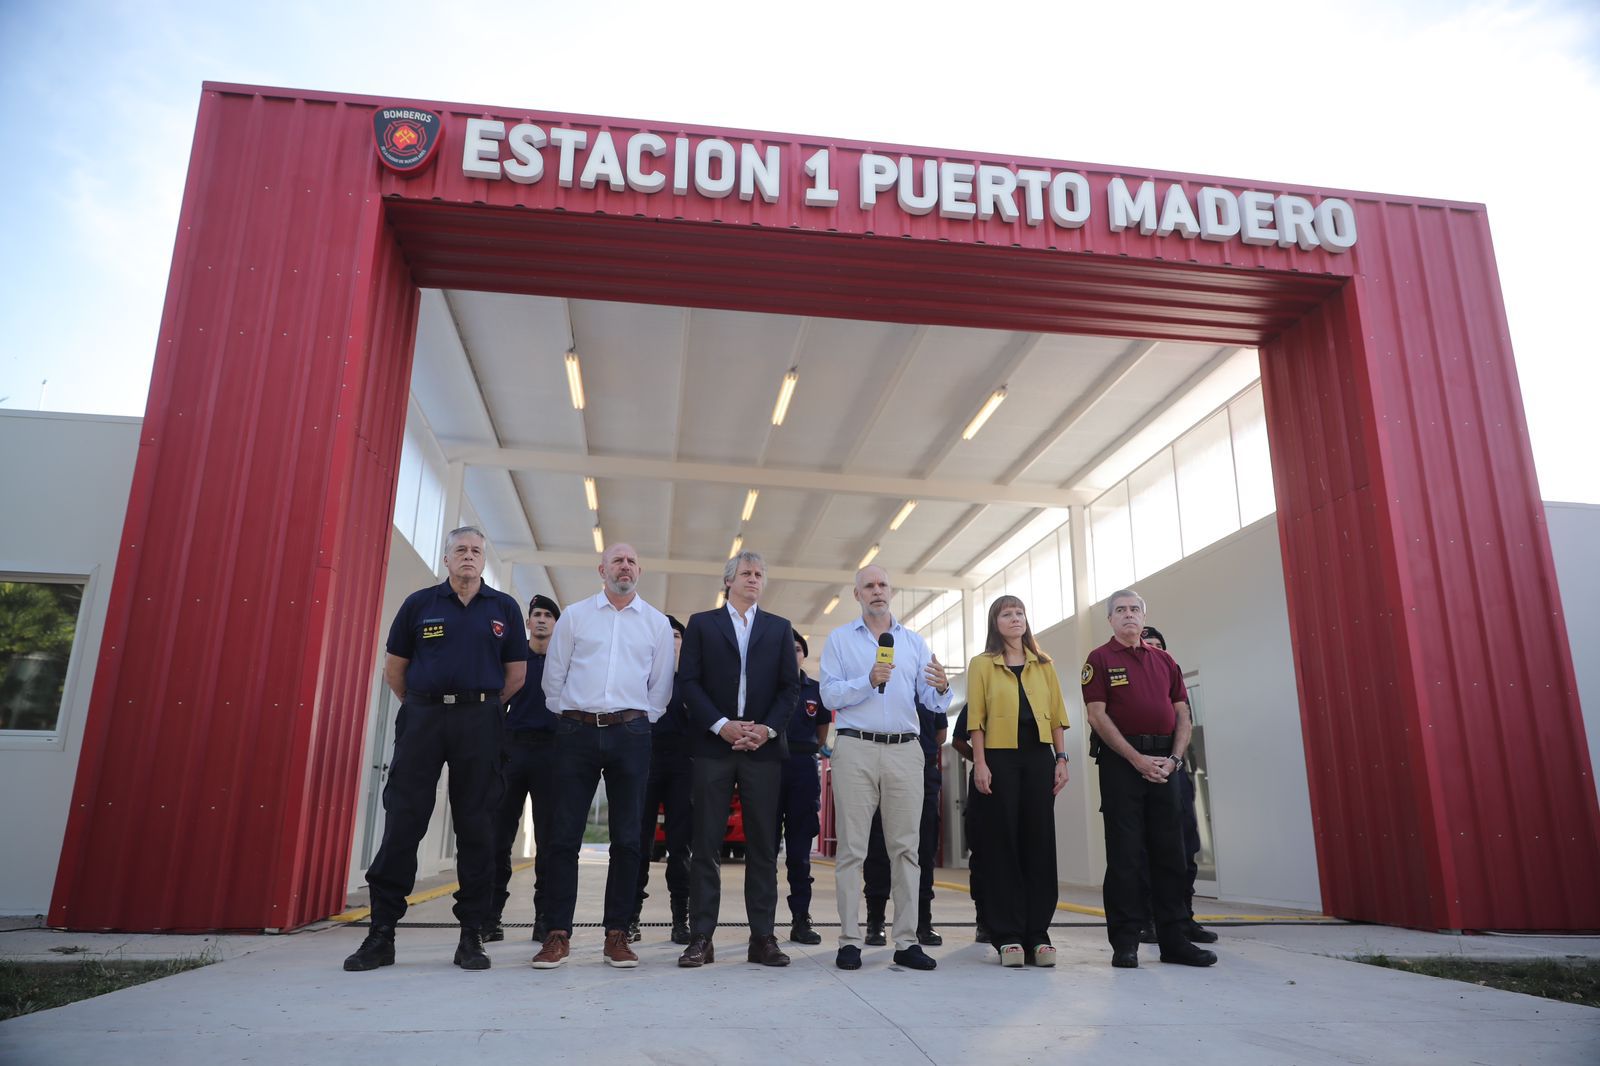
[1207, 503]
[405, 490]
[1044, 606]
[1251, 459]
[1017, 580]
[1111, 537]
[1069, 598]
[1153, 510]
[38, 621]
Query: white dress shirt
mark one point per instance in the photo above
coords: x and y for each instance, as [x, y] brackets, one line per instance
[603, 658]
[741, 632]
[847, 689]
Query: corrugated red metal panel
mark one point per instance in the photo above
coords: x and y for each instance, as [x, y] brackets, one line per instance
[1444, 743]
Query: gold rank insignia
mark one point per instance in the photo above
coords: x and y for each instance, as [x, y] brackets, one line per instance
[1087, 675]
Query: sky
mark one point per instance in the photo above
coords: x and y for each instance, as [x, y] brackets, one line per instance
[1495, 103]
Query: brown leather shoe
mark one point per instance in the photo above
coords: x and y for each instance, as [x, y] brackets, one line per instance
[618, 953]
[765, 950]
[553, 952]
[698, 953]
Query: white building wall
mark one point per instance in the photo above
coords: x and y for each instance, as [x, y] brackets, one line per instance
[63, 514]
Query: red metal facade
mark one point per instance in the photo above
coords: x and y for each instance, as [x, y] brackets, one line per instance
[221, 759]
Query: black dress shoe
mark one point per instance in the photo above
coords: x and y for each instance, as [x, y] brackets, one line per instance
[765, 950]
[928, 936]
[849, 958]
[802, 933]
[376, 950]
[494, 932]
[1147, 934]
[875, 937]
[914, 958]
[469, 952]
[1186, 954]
[698, 953]
[1198, 933]
[1125, 958]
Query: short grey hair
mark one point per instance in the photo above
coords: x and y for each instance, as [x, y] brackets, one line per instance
[732, 566]
[1124, 594]
[462, 531]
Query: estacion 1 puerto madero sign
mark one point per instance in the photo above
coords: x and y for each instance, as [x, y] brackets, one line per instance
[718, 167]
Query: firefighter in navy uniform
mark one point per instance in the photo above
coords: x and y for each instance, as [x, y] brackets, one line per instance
[875, 870]
[800, 796]
[668, 790]
[457, 652]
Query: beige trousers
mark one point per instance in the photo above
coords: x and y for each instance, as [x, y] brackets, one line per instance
[869, 777]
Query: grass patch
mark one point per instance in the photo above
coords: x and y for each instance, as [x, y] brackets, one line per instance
[26, 987]
[1569, 982]
[596, 834]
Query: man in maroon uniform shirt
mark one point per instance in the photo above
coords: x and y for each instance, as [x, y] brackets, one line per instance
[1138, 707]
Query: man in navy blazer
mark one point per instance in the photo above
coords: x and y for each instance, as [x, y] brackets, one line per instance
[739, 680]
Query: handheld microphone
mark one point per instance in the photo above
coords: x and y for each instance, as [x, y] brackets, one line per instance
[886, 652]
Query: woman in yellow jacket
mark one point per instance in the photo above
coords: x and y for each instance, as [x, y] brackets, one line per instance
[1018, 722]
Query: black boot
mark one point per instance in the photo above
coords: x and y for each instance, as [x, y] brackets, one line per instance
[875, 937]
[469, 953]
[540, 928]
[377, 950]
[927, 935]
[634, 935]
[1147, 934]
[494, 932]
[802, 933]
[680, 919]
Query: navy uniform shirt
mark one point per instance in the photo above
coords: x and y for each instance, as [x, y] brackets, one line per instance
[527, 713]
[675, 721]
[930, 724]
[454, 647]
[808, 713]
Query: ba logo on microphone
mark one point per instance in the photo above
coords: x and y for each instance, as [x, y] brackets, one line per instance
[406, 137]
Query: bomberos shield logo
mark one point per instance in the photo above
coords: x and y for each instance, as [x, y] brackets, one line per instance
[406, 137]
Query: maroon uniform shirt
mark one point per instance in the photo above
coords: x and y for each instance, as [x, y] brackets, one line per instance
[1138, 685]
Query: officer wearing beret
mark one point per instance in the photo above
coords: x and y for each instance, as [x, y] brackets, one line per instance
[1138, 708]
[529, 750]
[800, 796]
[456, 653]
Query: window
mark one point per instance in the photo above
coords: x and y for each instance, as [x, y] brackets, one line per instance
[1207, 499]
[1250, 457]
[1153, 505]
[38, 626]
[1111, 541]
[1044, 601]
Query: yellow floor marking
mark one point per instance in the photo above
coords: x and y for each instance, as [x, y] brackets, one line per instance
[355, 914]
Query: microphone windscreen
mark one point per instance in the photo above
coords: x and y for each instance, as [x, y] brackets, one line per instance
[886, 641]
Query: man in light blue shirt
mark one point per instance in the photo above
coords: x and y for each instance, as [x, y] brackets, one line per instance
[877, 763]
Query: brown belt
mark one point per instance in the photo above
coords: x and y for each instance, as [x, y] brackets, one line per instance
[604, 718]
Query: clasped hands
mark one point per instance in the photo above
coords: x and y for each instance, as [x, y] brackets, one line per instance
[1155, 768]
[743, 736]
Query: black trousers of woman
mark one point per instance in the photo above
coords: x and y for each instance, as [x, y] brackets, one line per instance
[1017, 857]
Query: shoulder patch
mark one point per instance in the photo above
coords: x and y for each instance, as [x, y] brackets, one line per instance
[1087, 674]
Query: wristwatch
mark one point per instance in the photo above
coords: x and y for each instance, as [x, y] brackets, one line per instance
[1062, 756]
[772, 734]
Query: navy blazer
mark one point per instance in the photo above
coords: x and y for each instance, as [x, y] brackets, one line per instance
[708, 679]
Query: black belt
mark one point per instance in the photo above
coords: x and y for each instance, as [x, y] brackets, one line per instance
[880, 738]
[482, 695]
[603, 718]
[803, 749]
[1151, 743]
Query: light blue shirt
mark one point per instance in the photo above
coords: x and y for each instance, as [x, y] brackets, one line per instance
[847, 662]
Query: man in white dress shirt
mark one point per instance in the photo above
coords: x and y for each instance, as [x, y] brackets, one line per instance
[608, 674]
[877, 760]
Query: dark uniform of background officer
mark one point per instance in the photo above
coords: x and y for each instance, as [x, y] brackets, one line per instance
[1191, 829]
[800, 796]
[875, 870]
[529, 748]
[1138, 707]
[457, 652]
[961, 740]
[668, 791]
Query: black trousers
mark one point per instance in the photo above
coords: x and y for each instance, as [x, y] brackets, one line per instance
[1017, 824]
[428, 737]
[526, 768]
[875, 869]
[1190, 823]
[714, 778]
[799, 800]
[669, 790]
[971, 825]
[1144, 855]
[583, 755]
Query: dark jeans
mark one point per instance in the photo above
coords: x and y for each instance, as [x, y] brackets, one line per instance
[583, 755]
[875, 870]
[668, 790]
[1018, 828]
[1144, 855]
[714, 778]
[428, 737]
[799, 800]
[526, 766]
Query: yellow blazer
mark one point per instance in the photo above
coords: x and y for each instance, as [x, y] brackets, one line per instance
[992, 703]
